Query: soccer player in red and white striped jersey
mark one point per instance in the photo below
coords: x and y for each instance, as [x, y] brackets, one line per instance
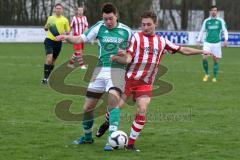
[79, 24]
[143, 58]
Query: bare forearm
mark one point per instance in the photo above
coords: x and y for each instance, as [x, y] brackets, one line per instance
[122, 59]
[190, 51]
[74, 39]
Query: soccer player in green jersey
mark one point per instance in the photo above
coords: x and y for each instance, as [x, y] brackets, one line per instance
[108, 76]
[213, 26]
[56, 24]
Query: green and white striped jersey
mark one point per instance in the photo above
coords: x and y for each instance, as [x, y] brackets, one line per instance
[213, 28]
[109, 41]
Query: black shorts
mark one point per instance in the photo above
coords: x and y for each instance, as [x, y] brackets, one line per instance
[52, 47]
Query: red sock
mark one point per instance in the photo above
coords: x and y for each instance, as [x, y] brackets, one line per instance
[79, 58]
[76, 56]
[137, 126]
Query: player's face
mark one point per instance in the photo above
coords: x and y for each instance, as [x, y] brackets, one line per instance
[80, 11]
[148, 26]
[110, 20]
[213, 12]
[58, 10]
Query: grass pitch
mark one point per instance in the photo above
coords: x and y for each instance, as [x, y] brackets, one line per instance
[196, 120]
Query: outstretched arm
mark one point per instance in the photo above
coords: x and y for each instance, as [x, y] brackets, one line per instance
[70, 39]
[192, 51]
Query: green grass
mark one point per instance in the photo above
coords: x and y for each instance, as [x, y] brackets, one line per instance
[195, 120]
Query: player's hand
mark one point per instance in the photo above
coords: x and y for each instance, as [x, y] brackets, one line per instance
[225, 43]
[207, 53]
[113, 58]
[121, 52]
[61, 37]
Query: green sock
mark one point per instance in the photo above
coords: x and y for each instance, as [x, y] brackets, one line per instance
[87, 125]
[215, 69]
[114, 119]
[205, 66]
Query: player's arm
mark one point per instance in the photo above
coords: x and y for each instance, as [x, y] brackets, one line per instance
[86, 24]
[225, 33]
[46, 25]
[70, 39]
[173, 48]
[122, 57]
[192, 51]
[200, 35]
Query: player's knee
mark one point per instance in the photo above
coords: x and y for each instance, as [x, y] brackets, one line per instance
[90, 104]
[88, 107]
[49, 59]
[114, 97]
[142, 109]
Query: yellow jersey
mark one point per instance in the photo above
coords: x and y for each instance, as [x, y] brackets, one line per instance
[56, 26]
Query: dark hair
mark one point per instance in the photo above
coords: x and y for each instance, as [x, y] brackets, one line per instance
[214, 6]
[76, 9]
[109, 8]
[58, 4]
[149, 14]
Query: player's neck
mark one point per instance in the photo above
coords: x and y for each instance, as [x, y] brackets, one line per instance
[58, 16]
[149, 35]
[214, 17]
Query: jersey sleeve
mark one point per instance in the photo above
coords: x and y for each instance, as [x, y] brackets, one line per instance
[47, 22]
[91, 33]
[171, 47]
[132, 46]
[203, 29]
[224, 29]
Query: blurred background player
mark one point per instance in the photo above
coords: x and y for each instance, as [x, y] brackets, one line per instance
[79, 24]
[143, 59]
[108, 76]
[213, 26]
[56, 24]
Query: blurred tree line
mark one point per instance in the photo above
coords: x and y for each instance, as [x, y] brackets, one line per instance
[176, 12]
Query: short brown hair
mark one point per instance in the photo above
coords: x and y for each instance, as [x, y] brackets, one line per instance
[149, 14]
[58, 4]
[109, 8]
[214, 6]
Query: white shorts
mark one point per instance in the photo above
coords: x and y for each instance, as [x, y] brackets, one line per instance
[215, 48]
[104, 78]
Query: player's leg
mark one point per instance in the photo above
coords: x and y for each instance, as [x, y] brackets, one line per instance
[215, 68]
[88, 118]
[77, 56]
[114, 85]
[49, 44]
[142, 96]
[206, 47]
[105, 125]
[142, 102]
[114, 95]
[95, 90]
[217, 55]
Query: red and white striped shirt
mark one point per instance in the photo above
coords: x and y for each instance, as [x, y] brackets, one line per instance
[79, 24]
[147, 52]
